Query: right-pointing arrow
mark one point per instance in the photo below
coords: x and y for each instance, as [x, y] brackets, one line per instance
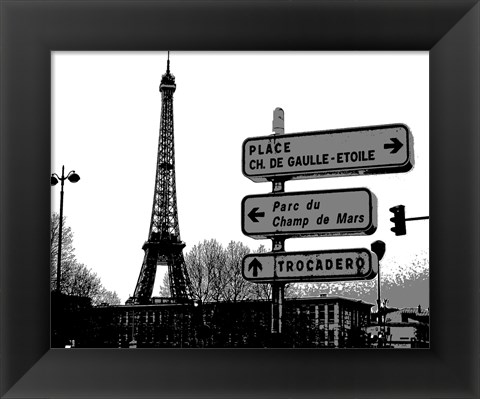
[253, 215]
[395, 145]
[255, 265]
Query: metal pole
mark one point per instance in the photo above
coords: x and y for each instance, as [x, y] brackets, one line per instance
[59, 261]
[419, 218]
[379, 247]
[278, 294]
[278, 244]
[378, 298]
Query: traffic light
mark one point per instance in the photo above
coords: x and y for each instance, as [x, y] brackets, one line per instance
[398, 220]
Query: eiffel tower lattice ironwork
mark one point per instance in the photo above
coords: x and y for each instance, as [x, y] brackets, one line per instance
[164, 245]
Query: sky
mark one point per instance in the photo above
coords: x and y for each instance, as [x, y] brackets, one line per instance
[105, 126]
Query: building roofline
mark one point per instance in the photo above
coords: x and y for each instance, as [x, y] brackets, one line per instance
[301, 299]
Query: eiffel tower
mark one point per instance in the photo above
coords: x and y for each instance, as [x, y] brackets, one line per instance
[164, 246]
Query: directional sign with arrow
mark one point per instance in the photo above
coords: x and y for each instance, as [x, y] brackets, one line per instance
[255, 265]
[310, 213]
[394, 144]
[324, 266]
[254, 215]
[352, 151]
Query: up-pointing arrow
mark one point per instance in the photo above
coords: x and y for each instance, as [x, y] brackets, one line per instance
[253, 215]
[395, 145]
[255, 265]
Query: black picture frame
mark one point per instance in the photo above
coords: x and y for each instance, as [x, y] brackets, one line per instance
[30, 30]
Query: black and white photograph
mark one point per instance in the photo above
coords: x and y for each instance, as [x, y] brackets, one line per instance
[240, 200]
[267, 199]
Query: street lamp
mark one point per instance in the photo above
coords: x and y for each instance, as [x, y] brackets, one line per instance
[54, 178]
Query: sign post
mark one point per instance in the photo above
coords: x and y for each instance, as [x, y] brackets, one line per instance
[278, 245]
[379, 248]
[341, 152]
[310, 213]
[321, 266]
[279, 215]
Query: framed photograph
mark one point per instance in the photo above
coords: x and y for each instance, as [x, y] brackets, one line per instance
[209, 295]
[73, 109]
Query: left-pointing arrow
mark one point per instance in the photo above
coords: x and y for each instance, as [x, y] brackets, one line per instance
[256, 266]
[253, 215]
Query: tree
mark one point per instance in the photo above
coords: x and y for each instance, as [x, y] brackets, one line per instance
[236, 288]
[80, 281]
[215, 259]
[68, 256]
[261, 291]
[106, 296]
[75, 278]
[299, 290]
[165, 286]
[215, 273]
[205, 267]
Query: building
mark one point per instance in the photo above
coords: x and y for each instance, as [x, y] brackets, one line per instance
[333, 322]
[319, 322]
[403, 328]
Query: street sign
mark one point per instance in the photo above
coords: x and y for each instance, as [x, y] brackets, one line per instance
[310, 213]
[341, 152]
[321, 266]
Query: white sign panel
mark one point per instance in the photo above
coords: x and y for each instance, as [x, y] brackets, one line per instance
[321, 266]
[353, 151]
[310, 213]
